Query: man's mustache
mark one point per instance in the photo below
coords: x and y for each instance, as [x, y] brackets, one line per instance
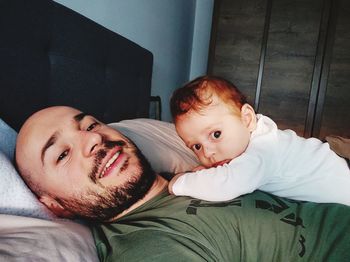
[110, 144]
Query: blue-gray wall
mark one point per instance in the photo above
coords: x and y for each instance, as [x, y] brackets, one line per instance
[177, 32]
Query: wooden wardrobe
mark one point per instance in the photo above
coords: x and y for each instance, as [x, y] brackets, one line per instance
[290, 57]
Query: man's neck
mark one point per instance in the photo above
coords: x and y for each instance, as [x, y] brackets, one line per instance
[158, 186]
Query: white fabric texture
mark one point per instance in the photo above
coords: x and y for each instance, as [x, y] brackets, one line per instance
[31, 239]
[15, 197]
[7, 139]
[159, 142]
[278, 162]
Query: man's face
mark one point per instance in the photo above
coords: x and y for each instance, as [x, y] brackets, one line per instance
[84, 166]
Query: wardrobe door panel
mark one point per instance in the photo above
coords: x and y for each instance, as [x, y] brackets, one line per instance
[238, 43]
[336, 110]
[289, 62]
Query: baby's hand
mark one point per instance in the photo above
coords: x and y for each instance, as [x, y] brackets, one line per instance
[172, 182]
[198, 168]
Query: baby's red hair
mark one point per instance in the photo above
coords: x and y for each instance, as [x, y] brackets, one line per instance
[196, 94]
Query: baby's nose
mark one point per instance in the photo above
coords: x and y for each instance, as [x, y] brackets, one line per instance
[208, 152]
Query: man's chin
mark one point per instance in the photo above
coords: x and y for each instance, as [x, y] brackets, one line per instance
[115, 199]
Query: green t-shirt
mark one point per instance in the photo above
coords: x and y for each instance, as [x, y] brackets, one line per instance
[255, 227]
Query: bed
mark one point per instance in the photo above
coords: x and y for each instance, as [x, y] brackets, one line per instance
[51, 55]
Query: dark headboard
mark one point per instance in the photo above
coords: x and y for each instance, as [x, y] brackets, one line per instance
[51, 55]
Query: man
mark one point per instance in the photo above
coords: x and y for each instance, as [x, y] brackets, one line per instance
[79, 167]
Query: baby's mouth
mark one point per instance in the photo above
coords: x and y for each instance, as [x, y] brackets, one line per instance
[220, 163]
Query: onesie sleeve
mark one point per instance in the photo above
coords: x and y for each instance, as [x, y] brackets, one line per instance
[242, 175]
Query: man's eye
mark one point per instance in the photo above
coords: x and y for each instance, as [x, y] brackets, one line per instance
[196, 147]
[92, 126]
[216, 134]
[62, 156]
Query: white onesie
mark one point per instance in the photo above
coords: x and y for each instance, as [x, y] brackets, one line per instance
[276, 161]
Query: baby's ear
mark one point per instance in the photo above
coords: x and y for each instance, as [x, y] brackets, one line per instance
[248, 117]
[55, 207]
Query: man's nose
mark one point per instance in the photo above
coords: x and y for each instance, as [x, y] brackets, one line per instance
[91, 142]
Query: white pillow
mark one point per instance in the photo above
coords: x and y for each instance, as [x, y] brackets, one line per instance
[30, 239]
[15, 197]
[7, 139]
[159, 142]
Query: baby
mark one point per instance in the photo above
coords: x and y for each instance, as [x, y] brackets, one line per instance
[242, 151]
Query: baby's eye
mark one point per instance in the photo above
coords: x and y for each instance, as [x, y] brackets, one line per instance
[196, 147]
[216, 134]
[62, 156]
[92, 126]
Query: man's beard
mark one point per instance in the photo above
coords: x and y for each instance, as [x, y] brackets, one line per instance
[114, 199]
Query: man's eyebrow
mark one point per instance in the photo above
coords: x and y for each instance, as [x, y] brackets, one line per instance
[79, 117]
[48, 143]
[52, 140]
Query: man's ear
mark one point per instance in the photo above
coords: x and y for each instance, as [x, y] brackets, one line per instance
[248, 117]
[55, 207]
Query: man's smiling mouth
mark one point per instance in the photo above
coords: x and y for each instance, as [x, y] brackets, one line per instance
[109, 163]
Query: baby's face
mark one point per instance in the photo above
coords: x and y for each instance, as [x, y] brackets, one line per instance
[217, 133]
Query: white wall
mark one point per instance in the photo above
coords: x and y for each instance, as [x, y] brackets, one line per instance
[177, 32]
[201, 37]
